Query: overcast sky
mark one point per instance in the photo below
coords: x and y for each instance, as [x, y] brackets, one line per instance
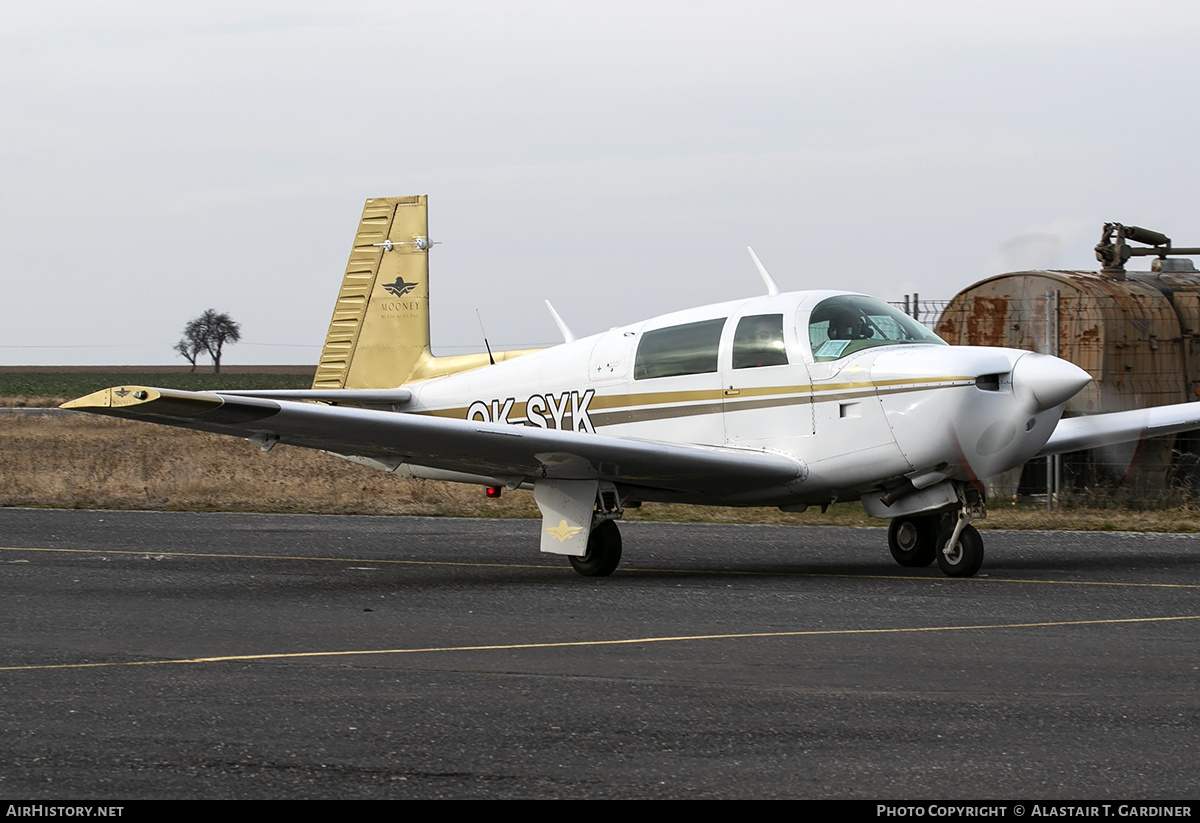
[617, 158]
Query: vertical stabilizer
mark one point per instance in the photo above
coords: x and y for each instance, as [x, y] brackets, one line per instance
[380, 327]
[379, 335]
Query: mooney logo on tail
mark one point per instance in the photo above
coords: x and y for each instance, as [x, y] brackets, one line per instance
[399, 288]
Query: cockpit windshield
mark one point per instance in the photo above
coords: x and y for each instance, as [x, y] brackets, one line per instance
[842, 325]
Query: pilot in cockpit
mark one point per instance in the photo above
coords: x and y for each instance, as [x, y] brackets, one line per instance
[768, 338]
[768, 341]
[849, 323]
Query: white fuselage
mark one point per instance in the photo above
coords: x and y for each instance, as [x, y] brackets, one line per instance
[856, 423]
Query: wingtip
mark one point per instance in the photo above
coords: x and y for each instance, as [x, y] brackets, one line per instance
[113, 397]
[96, 400]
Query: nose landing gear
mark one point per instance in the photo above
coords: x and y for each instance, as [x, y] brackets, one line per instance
[963, 556]
[917, 540]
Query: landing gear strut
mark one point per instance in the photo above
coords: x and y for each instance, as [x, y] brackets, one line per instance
[963, 558]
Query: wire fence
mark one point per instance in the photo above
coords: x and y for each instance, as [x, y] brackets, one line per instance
[1086, 480]
[925, 312]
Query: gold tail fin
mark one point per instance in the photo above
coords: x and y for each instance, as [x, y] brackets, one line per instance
[379, 335]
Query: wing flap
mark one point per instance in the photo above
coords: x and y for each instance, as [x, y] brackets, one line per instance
[472, 447]
[346, 397]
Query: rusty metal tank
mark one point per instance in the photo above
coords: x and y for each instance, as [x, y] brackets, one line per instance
[1136, 333]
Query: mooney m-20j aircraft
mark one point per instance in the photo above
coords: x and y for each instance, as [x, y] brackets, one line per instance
[784, 400]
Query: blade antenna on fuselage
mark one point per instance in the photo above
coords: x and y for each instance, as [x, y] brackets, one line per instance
[568, 335]
[762, 270]
[483, 331]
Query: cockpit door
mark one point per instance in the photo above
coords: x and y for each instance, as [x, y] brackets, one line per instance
[767, 395]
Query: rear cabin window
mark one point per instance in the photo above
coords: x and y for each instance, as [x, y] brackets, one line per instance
[840, 326]
[675, 350]
[758, 341]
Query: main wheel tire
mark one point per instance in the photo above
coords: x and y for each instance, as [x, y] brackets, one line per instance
[603, 551]
[967, 555]
[913, 540]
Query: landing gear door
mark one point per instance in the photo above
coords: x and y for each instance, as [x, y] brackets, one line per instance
[566, 507]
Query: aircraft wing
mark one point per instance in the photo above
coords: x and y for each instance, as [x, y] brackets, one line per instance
[1091, 431]
[511, 453]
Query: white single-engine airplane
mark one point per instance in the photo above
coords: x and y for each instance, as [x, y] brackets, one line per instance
[786, 400]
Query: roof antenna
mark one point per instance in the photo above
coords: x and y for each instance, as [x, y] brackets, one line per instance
[766, 276]
[491, 359]
[568, 335]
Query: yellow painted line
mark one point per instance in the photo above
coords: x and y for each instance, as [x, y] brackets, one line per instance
[632, 641]
[286, 557]
[1088, 583]
[934, 578]
[937, 578]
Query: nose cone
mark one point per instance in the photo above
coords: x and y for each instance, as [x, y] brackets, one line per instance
[1047, 381]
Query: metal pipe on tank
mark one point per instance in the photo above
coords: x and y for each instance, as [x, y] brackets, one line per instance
[1053, 464]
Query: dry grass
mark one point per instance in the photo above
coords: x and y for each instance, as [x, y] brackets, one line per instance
[36, 401]
[79, 461]
[76, 461]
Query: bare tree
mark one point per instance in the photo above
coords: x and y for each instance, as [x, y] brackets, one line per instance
[209, 332]
[188, 350]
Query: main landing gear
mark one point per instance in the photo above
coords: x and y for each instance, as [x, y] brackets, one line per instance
[949, 538]
[603, 551]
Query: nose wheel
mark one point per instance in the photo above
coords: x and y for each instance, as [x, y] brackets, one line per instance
[917, 540]
[963, 558]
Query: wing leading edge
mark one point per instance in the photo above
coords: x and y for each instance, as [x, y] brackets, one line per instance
[1092, 431]
[504, 452]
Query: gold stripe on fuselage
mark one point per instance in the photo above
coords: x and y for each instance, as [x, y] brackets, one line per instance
[643, 406]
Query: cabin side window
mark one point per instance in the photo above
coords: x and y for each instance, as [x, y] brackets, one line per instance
[758, 341]
[675, 350]
[840, 326]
